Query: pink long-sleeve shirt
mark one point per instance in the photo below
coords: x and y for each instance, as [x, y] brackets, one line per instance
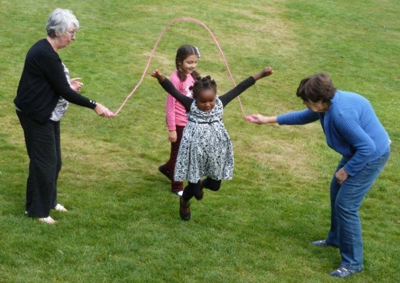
[174, 110]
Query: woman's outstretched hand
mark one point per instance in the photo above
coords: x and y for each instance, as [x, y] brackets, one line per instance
[260, 119]
[103, 111]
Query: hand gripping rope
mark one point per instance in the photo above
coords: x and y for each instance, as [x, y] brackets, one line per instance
[182, 19]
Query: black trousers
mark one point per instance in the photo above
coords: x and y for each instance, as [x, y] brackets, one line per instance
[176, 186]
[193, 188]
[42, 142]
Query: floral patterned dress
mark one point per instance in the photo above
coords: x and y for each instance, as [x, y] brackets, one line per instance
[206, 148]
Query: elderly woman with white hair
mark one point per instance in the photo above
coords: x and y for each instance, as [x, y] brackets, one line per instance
[44, 92]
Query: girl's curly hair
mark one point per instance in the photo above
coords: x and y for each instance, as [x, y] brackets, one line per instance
[202, 83]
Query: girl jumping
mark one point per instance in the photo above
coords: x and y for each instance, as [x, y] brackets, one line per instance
[206, 148]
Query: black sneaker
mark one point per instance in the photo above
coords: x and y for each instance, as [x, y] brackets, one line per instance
[163, 170]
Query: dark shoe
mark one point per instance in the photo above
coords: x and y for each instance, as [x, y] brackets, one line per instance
[184, 209]
[163, 170]
[342, 272]
[200, 193]
[322, 243]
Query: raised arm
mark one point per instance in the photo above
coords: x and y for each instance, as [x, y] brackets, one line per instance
[241, 87]
[170, 88]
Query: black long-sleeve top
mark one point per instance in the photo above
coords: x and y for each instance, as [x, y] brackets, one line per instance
[42, 83]
[225, 99]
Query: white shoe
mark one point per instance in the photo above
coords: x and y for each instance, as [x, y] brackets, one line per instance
[178, 193]
[60, 207]
[47, 220]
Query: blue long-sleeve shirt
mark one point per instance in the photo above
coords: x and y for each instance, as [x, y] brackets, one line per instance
[351, 128]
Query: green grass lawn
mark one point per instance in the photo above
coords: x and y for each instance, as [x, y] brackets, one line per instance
[123, 223]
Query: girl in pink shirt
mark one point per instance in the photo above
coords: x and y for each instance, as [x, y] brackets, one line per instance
[182, 78]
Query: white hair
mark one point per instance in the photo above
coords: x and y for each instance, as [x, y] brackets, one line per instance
[60, 21]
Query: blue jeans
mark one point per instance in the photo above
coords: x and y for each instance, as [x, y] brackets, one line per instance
[346, 199]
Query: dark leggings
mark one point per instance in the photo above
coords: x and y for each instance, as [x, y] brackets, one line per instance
[176, 186]
[193, 188]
